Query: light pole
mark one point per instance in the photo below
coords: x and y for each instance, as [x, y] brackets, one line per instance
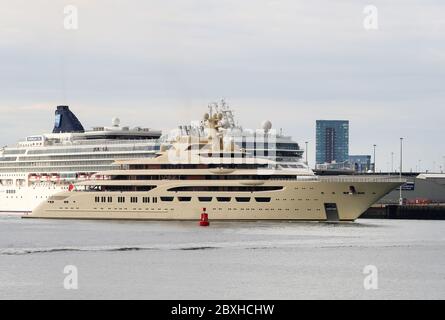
[392, 162]
[374, 157]
[443, 164]
[307, 163]
[401, 168]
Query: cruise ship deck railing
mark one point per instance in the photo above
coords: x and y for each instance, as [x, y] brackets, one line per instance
[104, 142]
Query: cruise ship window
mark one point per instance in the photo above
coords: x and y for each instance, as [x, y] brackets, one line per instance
[205, 199]
[184, 199]
[242, 199]
[155, 200]
[146, 199]
[134, 200]
[262, 199]
[110, 199]
[167, 199]
[223, 199]
[103, 199]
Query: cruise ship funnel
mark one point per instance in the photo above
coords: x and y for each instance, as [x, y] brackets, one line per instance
[66, 121]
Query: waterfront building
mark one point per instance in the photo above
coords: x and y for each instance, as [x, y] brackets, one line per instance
[332, 141]
[360, 163]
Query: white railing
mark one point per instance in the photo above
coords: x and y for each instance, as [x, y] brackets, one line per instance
[361, 179]
[106, 142]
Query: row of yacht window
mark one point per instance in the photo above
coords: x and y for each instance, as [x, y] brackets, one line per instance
[132, 188]
[206, 177]
[180, 199]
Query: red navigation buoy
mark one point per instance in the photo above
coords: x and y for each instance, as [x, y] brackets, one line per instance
[204, 222]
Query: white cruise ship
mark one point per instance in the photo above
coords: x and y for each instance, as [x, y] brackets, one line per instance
[211, 171]
[42, 165]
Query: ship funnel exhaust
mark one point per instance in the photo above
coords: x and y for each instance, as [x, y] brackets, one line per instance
[66, 121]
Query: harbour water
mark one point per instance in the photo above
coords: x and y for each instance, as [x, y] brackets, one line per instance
[228, 260]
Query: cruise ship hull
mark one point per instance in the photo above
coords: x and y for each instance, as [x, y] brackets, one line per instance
[330, 200]
[25, 199]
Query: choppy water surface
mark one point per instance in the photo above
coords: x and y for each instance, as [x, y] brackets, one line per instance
[228, 260]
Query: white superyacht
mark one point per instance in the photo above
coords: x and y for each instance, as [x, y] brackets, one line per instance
[211, 171]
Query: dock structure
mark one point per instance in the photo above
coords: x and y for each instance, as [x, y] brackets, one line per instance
[413, 212]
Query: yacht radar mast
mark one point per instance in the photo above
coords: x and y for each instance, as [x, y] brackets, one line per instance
[228, 118]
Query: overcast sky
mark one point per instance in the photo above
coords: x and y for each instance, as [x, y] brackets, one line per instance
[159, 63]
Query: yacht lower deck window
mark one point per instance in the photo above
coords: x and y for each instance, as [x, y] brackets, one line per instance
[128, 188]
[242, 199]
[184, 199]
[205, 199]
[223, 199]
[262, 199]
[226, 188]
[167, 199]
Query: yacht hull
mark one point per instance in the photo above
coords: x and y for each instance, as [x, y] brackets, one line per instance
[330, 200]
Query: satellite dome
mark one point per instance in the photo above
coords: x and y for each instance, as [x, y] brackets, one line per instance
[225, 123]
[116, 122]
[266, 125]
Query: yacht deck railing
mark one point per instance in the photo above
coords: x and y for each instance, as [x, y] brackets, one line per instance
[361, 179]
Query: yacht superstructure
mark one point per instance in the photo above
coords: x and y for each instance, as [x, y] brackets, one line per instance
[42, 165]
[264, 142]
[211, 171]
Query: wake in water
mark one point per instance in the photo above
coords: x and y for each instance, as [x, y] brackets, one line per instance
[245, 245]
[27, 251]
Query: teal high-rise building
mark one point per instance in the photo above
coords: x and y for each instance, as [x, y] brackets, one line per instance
[332, 141]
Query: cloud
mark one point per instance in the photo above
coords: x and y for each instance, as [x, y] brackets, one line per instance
[161, 62]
